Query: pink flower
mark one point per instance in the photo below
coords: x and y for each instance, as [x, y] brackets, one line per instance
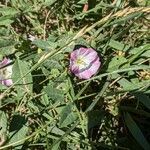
[84, 62]
[5, 72]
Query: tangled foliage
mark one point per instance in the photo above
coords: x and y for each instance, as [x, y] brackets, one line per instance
[47, 107]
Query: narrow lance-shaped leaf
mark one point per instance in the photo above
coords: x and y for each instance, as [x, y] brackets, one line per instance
[136, 132]
[143, 99]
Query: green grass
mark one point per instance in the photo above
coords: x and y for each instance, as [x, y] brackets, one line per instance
[47, 107]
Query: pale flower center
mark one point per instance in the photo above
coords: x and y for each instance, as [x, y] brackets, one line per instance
[80, 61]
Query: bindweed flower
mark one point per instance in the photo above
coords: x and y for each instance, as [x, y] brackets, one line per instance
[84, 62]
[5, 72]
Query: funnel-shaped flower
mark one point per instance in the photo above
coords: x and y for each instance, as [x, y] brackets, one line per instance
[5, 72]
[84, 62]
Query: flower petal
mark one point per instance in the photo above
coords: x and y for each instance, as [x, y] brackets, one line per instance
[90, 62]
[74, 55]
[6, 72]
[84, 75]
[95, 66]
[88, 54]
[74, 68]
[8, 82]
[4, 62]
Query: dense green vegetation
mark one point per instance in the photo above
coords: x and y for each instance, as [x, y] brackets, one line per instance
[47, 107]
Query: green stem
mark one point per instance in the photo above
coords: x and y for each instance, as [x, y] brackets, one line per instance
[116, 71]
[98, 97]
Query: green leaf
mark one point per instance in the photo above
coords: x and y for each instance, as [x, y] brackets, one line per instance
[20, 68]
[144, 99]
[3, 122]
[126, 18]
[69, 119]
[118, 45]
[67, 116]
[49, 2]
[33, 107]
[54, 94]
[125, 84]
[139, 49]
[137, 52]
[52, 63]
[94, 118]
[18, 130]
[82, 2]
[129, 86]
[47, 45]
[6, 20]
[56, 146]
[146, 54]
[2, 87]
[5, 43]
[66, 134]
[3, 128]
[8, 11]
[44, 100]
[116, 62]
[56, 131]
[7, 46]
[136, 132]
